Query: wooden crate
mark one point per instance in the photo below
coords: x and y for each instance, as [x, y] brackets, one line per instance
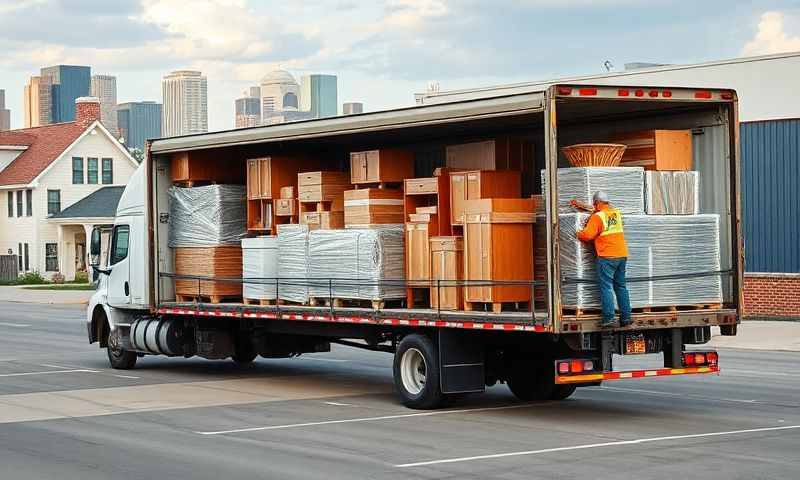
[657, 149]
[477, 184]
[501, 153]
[447, 263]
[498, 246]
[215, 262]
[205, 166]
[322, 220]
[323, 177]
[373, 206]
[288, 191]
[286, 207]
[387, 165]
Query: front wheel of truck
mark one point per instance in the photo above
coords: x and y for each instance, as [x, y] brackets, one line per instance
[118, 357]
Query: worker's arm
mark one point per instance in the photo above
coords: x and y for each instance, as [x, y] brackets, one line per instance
[592, 229]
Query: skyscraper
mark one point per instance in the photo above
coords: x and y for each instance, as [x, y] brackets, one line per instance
[69, 82]
[5, 114]
[104, 87]
[248, 108]
[37, 102]
[138, 121]
[185, 110]
[319, 95]
[351, 108]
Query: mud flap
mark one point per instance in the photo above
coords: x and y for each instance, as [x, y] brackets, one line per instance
[461, 360]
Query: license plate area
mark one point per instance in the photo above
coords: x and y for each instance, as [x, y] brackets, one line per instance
[634, 344]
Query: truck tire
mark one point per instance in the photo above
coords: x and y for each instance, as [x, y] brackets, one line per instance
[244, 351]
[416, 373]
[563, 392]
[118, 357]
[530, 380]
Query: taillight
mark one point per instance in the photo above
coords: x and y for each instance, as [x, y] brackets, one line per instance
[623, 92]
[712, 358]
[587, 91]
[639, 93]
[698, 359]
[564, 91]
[703, 94]
[563, 367]
[726, 95]
[577, 365]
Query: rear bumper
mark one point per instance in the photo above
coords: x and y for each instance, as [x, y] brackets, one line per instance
[622, 375]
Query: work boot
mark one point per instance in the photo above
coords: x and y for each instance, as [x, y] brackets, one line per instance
[626, 322]
[610, 324]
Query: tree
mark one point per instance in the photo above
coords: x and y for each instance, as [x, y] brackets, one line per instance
[137, 154]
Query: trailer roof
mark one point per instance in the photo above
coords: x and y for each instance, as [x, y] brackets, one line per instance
[417, 116]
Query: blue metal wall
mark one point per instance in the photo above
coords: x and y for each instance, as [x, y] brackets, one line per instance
[770, 152]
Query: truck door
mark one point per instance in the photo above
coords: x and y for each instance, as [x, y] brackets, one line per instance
[119, 290]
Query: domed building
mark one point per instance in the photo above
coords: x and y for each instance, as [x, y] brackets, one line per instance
[279, 92]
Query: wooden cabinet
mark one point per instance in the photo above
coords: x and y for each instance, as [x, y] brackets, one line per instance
[498, 246]
[419, 253]
[447, 265]
[266, 176]
[259, 215]
[657, 149]
[477, 184]
[386, 165]
[433, 194]
[501, 153]
[205, 166]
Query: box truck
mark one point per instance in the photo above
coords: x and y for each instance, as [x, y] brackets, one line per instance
[543, 352]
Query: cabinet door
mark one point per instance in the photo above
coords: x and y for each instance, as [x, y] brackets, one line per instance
[357, 167]
[266, 178]
[458, 193]
[253, 179]
[418, 252]
[372, 166]
[473, 188]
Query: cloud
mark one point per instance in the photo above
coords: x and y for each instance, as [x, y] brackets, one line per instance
[771, 37]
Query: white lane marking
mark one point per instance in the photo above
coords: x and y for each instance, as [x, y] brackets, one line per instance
[673, 394]
[363, 419]
[82, 370]
[18, 325]
[124, 376]
[749, 373]
[335, 360]
[596, 445]
[338, 404]
[50, 365]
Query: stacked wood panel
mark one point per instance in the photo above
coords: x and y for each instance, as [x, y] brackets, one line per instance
[373, 206]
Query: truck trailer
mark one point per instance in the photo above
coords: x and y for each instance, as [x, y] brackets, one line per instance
[542, 353]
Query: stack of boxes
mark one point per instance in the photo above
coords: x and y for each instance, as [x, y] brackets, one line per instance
[321, 198]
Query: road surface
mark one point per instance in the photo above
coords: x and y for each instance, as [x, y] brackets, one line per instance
[64, 414]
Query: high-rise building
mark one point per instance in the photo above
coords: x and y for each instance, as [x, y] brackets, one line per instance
[37, 102]
[248, 108]
[104, 87]
[319, 95]
[185, 110]
[69, 82]
[279, 93]
[5, 114]
[137, 122]
[351, 108]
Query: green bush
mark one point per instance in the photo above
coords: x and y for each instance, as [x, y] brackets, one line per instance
[30, 278]
[81, 277]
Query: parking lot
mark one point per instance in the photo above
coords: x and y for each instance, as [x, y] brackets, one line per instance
[64, 414]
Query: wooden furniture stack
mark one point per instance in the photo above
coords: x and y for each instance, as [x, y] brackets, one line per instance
[373, 206]
[203, 167]
[321, 197]
[479, 184]
[266, 176]
[381, 167]
[501, 153]
[286, 207]
[498, 246]
[447, 267]
[657, 149]
[426, 207]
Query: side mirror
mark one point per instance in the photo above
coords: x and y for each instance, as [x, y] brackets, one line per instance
[95, 247]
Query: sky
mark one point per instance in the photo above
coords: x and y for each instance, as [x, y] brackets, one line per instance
[383, 51]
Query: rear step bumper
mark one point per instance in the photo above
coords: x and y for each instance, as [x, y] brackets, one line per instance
[622, 375]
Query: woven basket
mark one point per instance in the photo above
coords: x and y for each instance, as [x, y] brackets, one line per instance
[594, 154]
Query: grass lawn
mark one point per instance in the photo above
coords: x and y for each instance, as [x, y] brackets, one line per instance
[61, 286]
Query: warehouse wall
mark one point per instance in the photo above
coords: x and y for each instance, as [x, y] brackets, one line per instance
[770, 202]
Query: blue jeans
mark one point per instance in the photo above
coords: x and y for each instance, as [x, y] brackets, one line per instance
[611, 279]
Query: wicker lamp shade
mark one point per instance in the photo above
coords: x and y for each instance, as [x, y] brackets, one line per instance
[594, 154]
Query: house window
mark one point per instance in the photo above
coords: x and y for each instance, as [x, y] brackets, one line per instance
[19, 255]
[77, 170]
[51, 257]
[119, 249]
[29, 203]
[91, 171]
[10, 204]
[27, 259]
[53, 202]
[19, 203]
[108, 173]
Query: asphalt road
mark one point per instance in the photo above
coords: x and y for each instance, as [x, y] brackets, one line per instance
[64, 414]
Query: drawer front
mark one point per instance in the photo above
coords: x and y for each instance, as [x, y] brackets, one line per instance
[285, 207]
[421, 186]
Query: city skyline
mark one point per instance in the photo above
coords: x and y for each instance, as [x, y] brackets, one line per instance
[5, 114]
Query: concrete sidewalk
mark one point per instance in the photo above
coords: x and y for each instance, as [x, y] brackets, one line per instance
[23, 295]
[761, 335]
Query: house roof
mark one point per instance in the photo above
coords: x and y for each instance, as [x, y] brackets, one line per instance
[45, 144]
[101, 203]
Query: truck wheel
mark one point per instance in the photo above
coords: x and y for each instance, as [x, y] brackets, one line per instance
[563, 392]
[416, 372]
[118, 357]
[244, 352]
[530, 380]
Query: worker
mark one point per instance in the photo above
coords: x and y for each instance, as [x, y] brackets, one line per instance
[605, 229]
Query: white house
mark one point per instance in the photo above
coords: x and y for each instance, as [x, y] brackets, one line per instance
[44, 171]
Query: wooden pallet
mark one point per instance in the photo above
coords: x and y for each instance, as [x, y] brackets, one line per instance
[497, 307]
[290, 303]
[208, 298]
[678, 308]
[378, 304]
[260, 301]
[581, 312]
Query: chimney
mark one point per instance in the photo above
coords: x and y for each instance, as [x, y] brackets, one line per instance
[87, 110]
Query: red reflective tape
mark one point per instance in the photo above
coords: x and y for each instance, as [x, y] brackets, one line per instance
[637, 373]
[611, 376]
[587, 91]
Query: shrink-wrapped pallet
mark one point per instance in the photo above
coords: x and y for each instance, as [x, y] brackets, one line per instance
[678, 248]
[363, 264]
[207, 216]
[260, 267]
[293, 262]
[624, 186]
[671, 193]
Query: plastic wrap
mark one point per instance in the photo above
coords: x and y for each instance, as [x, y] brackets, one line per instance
[624, 186]
[260, 265]
[365, 264]
[293, 262]
[658, 245]
[671, 193]
[207, 216]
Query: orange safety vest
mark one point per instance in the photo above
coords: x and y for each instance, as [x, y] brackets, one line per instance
[606, 229]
